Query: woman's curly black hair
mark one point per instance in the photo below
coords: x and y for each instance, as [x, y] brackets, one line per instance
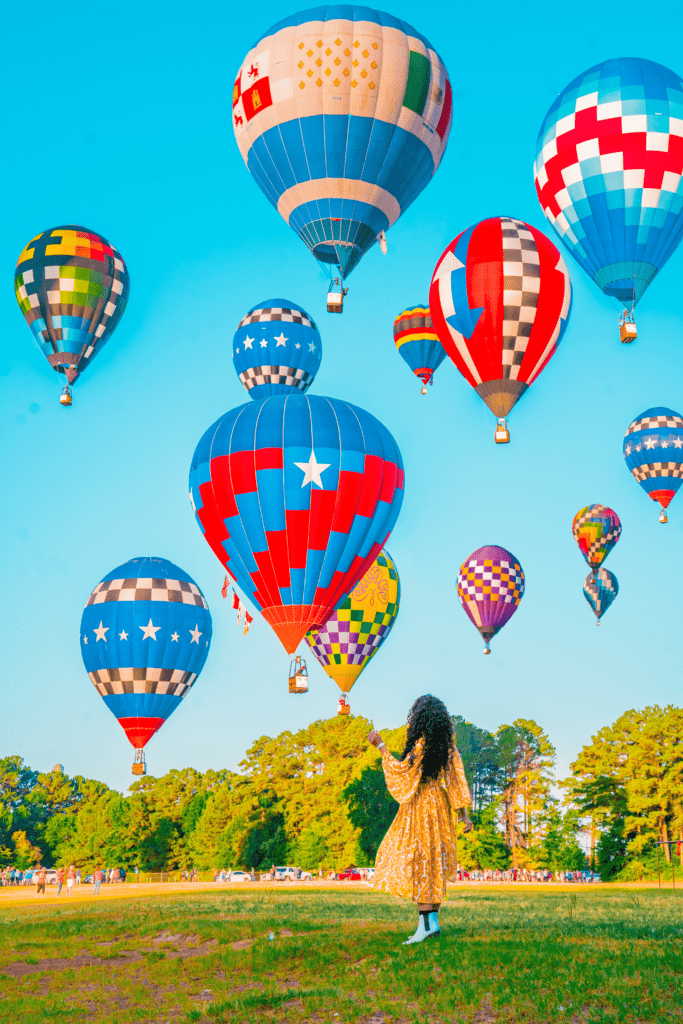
[429, 717]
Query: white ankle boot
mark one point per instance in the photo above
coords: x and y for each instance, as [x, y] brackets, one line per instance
[427, 928]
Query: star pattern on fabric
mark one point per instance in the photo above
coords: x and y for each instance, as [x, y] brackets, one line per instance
[195, 634]
[651, 443]
[678, 442]
[627, 449]
[101, 632]
[297, 345]
[311, 347]
[312, 470]
[85, 639]
[248, 342]
[264, 343]
[174, 637]
[123, 635]
[664, 444]
[280, 339]
[149, 631]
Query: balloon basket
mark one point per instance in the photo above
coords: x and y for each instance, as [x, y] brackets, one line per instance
[487, 649]
[344, 707]
[627, 328]
[66, 398]
[298, 676]
[502, 434]
[423, 391]
[139, 766]
[663, 517]
[335, 296]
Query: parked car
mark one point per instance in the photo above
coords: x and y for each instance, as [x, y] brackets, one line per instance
[289, 874]
[350, 875]
[240, 876]
[371, 874]
[51, 876]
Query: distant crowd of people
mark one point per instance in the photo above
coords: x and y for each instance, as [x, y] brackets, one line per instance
[525, 875]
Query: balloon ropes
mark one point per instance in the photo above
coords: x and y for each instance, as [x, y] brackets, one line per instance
[609, 159]
[145, 636]
[600, 589]
[276, 349]
[347, 642]
[418, 343]
[490, 586]
[596, 530]
[342, 116]
[296, 495]
[500, 300]
[653, 449]
[72, 287]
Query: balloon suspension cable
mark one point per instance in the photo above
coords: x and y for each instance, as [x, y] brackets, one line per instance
[502, 434]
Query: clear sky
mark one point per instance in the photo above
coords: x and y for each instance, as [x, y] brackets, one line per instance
[119, 119]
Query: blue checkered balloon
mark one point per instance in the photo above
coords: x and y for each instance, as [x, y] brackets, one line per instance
[600, 591]
[276, 349]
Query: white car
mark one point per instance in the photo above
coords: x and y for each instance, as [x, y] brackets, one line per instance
[289, 874]
[240, 876]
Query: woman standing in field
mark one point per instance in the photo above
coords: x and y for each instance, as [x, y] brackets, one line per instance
[418, 856]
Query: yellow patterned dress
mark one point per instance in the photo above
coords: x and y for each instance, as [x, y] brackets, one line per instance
[418, 856]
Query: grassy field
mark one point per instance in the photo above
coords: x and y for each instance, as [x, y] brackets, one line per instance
[505, 954]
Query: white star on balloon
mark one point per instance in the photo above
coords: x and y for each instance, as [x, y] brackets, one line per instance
[195, 634]
[312, 470]
[637, 448]
[627, 450]
[237, 351]
[149, 631]
[85, 639]
[651, 443]
[664, 444]
[174, 637]
[123, 635]
[101, 632]
[264, 343]
[297, 345]
[311, 347]
[248, 342]
[280, 339]
[678, 442]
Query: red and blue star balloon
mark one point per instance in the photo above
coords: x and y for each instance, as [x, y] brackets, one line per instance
[653, 449]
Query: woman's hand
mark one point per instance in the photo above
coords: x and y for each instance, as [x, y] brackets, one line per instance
[375, 739]
[465, 818]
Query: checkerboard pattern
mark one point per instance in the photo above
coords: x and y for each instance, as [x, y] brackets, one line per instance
[277, 314]
[142, 680]
[657, 469]
[178, 591]
[653, 450]
[256, 375]
[522, 282]
[72, 287]
[596, 530]
[600, 590]
[484, 579]
[656, 423]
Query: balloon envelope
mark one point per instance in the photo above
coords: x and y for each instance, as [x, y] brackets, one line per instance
[596, 530]
[609, 159]
[490, 586]
[600, 589]
[500, 300]
[355, 632]
[276, 349]
[145, 636]
[72, 287]
[296, 496]
[418, 343]
[342, 116]
[653, 449]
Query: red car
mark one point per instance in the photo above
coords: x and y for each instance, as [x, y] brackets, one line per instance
[350, 875]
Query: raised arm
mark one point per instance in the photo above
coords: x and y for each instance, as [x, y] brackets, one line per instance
[402, 777]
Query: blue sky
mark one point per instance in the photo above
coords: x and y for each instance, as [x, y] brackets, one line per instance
[120, 120]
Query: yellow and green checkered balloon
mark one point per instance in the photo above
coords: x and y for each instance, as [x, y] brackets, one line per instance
[360, 625]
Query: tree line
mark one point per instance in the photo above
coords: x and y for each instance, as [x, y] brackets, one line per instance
[317, 797]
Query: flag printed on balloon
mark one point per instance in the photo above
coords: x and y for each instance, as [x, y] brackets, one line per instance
[351, 637]
[72, 287]
[296, 496]
[596, 530]
[609, 159]
[600, 589]
[418, 343]
[276, 349]
[491, 584]
[342, 116]
[653, 449]
[145, 636]
[500, 300]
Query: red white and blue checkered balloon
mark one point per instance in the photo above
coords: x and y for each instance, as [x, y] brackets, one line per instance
[276, 349]
[296, 496]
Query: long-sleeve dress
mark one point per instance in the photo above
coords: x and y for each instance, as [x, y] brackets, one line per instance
[417, 856]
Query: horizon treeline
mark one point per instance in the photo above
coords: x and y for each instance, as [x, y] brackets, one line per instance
[317, 798]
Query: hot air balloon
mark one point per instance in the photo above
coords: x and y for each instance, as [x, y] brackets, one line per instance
[600, 589]
[145, 635]
[418, 343]
[276, 349]
[354, 633]
[72, 287]
[609, 159]
[500, 300]
[296, 495]
[596, 530]
[342, 116]
[490, 587]
[653, 449]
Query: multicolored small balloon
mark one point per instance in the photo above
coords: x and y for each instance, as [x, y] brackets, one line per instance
[600, 590]
[72, 287]
[491, 584]
[276, 349]
[653, 449]
[351, 637]
[596, 530]
[418, 343]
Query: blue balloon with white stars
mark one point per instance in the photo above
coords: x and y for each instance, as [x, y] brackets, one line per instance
[276, 349]
[145, 636]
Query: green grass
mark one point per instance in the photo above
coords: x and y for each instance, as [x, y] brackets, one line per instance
[594, 955]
